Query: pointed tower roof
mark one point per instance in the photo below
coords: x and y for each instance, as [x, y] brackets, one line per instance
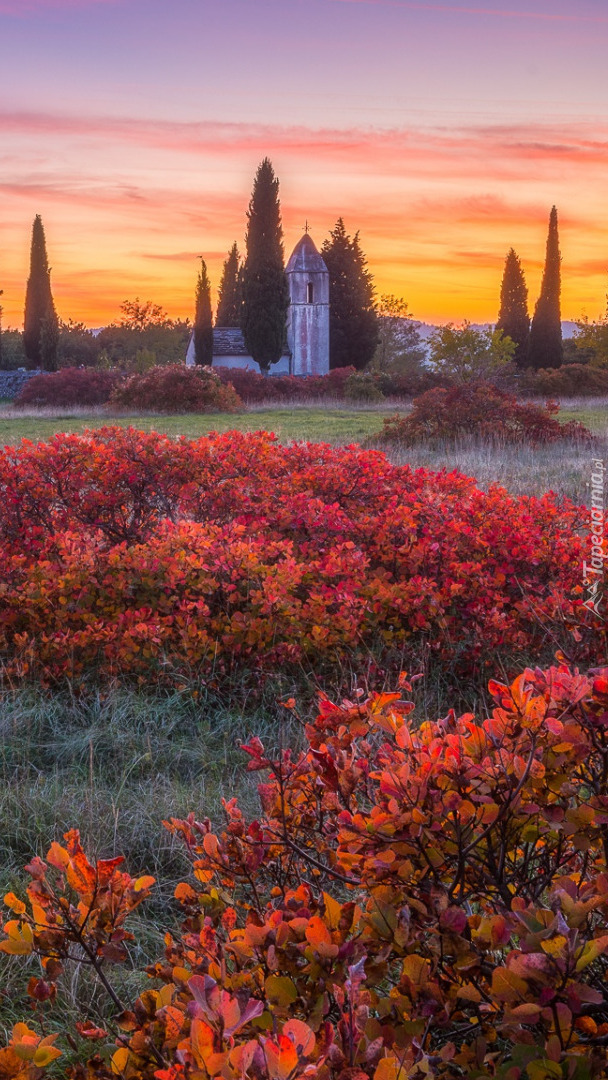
[305, 258]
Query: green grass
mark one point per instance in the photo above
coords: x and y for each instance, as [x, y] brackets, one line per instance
[594, 414]
[335, 423]
[315, 425]
[115, 766]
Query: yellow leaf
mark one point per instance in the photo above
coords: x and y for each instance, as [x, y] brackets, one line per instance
[44, 1055]
[333, 911]
[555, 946]
[591, 951]
[144, 882]
[506, 986]
[120, 1060]
[387, 1069]
[280, 990]
[417, 969]
[14, 903]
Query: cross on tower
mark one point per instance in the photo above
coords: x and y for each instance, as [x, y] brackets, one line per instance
[306, 227]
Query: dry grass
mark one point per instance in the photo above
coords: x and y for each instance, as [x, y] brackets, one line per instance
[564, 468]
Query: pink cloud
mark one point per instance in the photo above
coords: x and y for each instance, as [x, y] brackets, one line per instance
[497, 151]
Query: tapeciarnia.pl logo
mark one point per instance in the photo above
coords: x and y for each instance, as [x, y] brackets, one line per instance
[593, 571]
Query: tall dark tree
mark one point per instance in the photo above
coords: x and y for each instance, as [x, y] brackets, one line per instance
[265, 289]
[203, 320]
[513, 318]
[40, 327]
[546, 350]
[353, 320]
[230, 295]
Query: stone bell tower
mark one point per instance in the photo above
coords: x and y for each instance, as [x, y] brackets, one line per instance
[308, 313]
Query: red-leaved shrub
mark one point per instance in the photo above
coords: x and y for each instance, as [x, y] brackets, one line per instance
[175, 388]
[129, 553]
[70, 386]
[253, 388]
[412, 901]
[479, 411]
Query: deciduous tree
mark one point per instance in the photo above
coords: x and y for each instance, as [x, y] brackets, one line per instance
[466, 354]
[41, 328]
[400, 347]
[353, 322]
[546, 331]
[265, 289]
[140, 315]
[591, 340]
[513, 317]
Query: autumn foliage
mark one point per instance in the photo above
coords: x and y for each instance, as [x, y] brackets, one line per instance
[253, 387]
[174, 388]
[413, 901]
[480, 411]
[132, 554]
[69, 387]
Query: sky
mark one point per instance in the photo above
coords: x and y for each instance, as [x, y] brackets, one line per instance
[443, 132]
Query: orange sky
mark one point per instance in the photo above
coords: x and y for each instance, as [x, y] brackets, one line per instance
[136, 176]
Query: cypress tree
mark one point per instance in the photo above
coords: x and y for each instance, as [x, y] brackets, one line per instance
[203, 321]
[265, 289]
[513, 318]
[546, 349]
[40, 327]
[353, 320]
[230, 295]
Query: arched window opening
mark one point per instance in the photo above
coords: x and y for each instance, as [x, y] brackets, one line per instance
[310, 289]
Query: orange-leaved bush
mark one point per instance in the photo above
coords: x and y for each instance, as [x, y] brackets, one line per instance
[481, 411]
[174, 388]
[125, 553]
[420, 901]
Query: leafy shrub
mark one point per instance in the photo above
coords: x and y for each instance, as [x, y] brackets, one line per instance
[174, 388]
[405, 385]
[479, 411]
[412, 901]
[253, 387]
[70, 386]
[337, 378]
[363, 386]
[133, 554]
[570, 380]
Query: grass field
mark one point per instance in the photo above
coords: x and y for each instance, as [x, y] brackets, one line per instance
[336, 425]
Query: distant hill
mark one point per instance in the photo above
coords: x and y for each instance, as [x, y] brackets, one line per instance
[426, 329]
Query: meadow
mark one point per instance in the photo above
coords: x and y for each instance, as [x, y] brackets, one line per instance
[114, 758]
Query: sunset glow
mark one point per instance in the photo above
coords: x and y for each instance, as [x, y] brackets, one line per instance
[443, 132]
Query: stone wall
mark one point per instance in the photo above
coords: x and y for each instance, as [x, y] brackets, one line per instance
[11, 382]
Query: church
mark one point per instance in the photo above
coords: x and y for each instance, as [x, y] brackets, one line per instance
[307, 351]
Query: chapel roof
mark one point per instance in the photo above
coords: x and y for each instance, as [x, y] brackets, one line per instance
[305, 258]
[229, 341]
